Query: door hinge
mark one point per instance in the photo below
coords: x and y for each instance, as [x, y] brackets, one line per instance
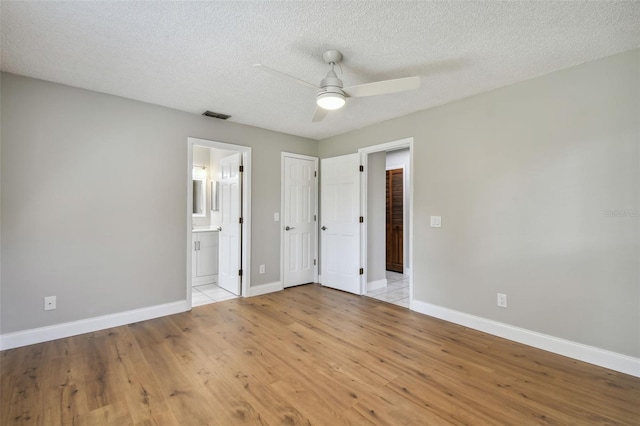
[240, 272]
[241, 220]
[362, 168]
[314, 218]
[315, 174]
[241, 169]
[361, 271]
[361, 219]
[314, 262]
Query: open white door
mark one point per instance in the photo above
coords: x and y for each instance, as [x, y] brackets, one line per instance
[230, 209]
[298, 219]
[340, 223]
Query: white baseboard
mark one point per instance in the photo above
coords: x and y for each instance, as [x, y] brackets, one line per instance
[264, 289]
[374, 285]
[209, 279]
[601, 357]
[73, 328]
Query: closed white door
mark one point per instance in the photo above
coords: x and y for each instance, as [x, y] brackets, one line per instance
[230, 234]
[340, 223]
[299, 220]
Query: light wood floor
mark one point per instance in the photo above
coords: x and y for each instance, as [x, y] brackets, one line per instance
[307, 355]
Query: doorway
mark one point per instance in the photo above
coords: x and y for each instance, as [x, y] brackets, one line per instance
[218, 220]
[388, 207]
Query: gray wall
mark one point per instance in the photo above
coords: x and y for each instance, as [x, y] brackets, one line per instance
[376, 217]
[523, 178]
[94, 197]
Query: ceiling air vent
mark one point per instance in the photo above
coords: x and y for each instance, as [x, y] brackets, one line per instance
[216, 115]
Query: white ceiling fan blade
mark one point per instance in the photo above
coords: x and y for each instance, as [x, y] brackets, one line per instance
[383, 87]
[283, 74]
[320, 114]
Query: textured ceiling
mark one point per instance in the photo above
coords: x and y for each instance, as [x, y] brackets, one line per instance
[197, 56]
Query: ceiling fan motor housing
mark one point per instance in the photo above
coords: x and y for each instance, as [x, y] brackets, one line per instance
[331, 82]
[330, 95]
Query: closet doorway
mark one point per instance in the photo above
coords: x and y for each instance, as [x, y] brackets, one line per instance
[394, 220]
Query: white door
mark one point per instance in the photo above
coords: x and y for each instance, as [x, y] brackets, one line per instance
[230, 209]
[299, 221]
[340, 223]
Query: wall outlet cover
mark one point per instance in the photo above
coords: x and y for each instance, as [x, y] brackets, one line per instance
[49, 303]
[502, 300]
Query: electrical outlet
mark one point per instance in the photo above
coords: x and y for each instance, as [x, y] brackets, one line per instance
[502, 300]
[276, 217]
[262, 268]
[49, 303]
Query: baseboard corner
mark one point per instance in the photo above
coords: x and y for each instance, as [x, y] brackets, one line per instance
[375, 285]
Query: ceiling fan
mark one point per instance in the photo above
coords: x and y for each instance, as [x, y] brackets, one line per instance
[331, 93]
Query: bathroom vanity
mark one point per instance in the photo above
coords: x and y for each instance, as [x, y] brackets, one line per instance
[204, 256]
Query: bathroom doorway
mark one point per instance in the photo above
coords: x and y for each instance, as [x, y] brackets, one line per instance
[218, 214]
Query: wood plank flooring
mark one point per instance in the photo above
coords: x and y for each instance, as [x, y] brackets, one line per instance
[306, 355]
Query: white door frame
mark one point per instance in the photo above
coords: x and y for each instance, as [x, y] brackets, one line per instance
[364, 158]
[315, 229]
[245, 151]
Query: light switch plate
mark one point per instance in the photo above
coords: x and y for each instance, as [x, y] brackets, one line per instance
[436, 221]
[276, 217]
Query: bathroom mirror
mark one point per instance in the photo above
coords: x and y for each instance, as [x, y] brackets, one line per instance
[199, 178]
[199, 197]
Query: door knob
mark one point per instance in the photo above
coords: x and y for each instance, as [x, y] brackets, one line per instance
[288, 228]
[324, 228]
[219, 228]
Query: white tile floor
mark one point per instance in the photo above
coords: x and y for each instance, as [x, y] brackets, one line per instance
[209, 293]
[396, 291]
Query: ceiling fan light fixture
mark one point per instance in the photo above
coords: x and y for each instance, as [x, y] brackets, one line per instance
[332, 94]
[330, 100]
